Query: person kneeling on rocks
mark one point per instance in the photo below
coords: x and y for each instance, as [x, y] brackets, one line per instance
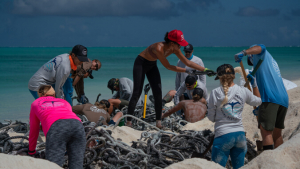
[225, 107]
[62, 128]
[94, 112]
[124, 88]
[194, 110]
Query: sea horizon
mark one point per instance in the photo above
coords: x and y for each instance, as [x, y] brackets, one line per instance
[18, 64]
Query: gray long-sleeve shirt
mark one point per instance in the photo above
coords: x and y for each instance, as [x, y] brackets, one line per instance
[125, 90]
[180, 76]
[183, 88]
[228, 118]
[56, 71]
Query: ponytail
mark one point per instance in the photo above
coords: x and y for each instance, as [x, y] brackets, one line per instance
[226, 80]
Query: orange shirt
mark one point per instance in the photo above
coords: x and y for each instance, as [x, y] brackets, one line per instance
[73, 66]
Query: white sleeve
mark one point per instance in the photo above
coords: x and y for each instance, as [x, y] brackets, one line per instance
[251, 99]
[61, 76]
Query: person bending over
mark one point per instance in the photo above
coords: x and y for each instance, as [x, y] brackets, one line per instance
[62, 128]
[275, 99]
[225, 106]
[83, 71]
[124, 88]
[56, 71]
[94, 112]
[146, 64]
[194, 110]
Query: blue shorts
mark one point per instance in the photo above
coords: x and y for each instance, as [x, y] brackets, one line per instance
[233, 144]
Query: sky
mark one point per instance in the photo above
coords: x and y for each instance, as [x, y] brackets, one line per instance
[131, 23]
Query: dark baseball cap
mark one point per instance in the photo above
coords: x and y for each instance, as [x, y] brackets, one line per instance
[190, 79]
[221, 70]
[111, 84]
[188, 48]
[80, 52]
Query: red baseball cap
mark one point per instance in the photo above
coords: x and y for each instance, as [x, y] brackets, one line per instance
[177, 36]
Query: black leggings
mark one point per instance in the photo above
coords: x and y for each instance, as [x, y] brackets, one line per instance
[141, 68]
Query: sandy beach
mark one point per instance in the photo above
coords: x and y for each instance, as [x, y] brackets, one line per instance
[285, 156]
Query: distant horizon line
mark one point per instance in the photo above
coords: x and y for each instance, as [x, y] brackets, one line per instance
[118, 46]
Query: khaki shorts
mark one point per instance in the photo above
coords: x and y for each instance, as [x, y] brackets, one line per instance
[271, 115]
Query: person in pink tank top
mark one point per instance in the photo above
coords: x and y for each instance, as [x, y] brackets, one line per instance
[62, 128]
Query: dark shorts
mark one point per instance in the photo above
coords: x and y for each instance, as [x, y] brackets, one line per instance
[271, 115]
[123, 103]
[111, 122]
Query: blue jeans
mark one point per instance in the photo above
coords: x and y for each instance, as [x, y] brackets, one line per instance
[68, 90]
[233, 144]
[34, 94]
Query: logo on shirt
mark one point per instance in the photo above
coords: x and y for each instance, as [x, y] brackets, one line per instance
[53, 64]
[96, 110]
[232, 110]
[276, 67]
[51, 104]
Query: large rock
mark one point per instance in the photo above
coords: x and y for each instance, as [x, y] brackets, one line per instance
[21, 162]
[285, 156]
[195, 163]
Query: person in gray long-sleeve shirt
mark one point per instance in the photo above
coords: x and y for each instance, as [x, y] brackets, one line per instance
[189, 85]
[124, 88]
[180, 76]
[56, 71]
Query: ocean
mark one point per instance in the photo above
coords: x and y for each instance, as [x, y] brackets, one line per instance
[17, 65]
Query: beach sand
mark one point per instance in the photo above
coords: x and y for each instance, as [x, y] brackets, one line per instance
[285, 156]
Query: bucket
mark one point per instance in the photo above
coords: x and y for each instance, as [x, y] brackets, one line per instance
[122, 122]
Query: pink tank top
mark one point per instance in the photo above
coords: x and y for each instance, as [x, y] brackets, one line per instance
[46, 110]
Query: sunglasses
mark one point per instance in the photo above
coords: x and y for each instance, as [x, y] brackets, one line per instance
[189, 86]
[187, 52]
[97, 67]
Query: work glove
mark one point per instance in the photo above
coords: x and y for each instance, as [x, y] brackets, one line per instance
[252, 79]
[255, 111]
[239, 56]
[83, 99]
[209, 72]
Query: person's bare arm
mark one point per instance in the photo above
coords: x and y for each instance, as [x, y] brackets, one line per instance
[188, 62]
[179, 106]
[167, 65]
[76, 79]
[256, 91]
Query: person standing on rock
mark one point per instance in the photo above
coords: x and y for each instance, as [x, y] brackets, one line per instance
[146, 64]
[225, 106]
[275, 100]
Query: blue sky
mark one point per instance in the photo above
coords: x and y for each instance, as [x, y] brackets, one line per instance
[105, 23]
